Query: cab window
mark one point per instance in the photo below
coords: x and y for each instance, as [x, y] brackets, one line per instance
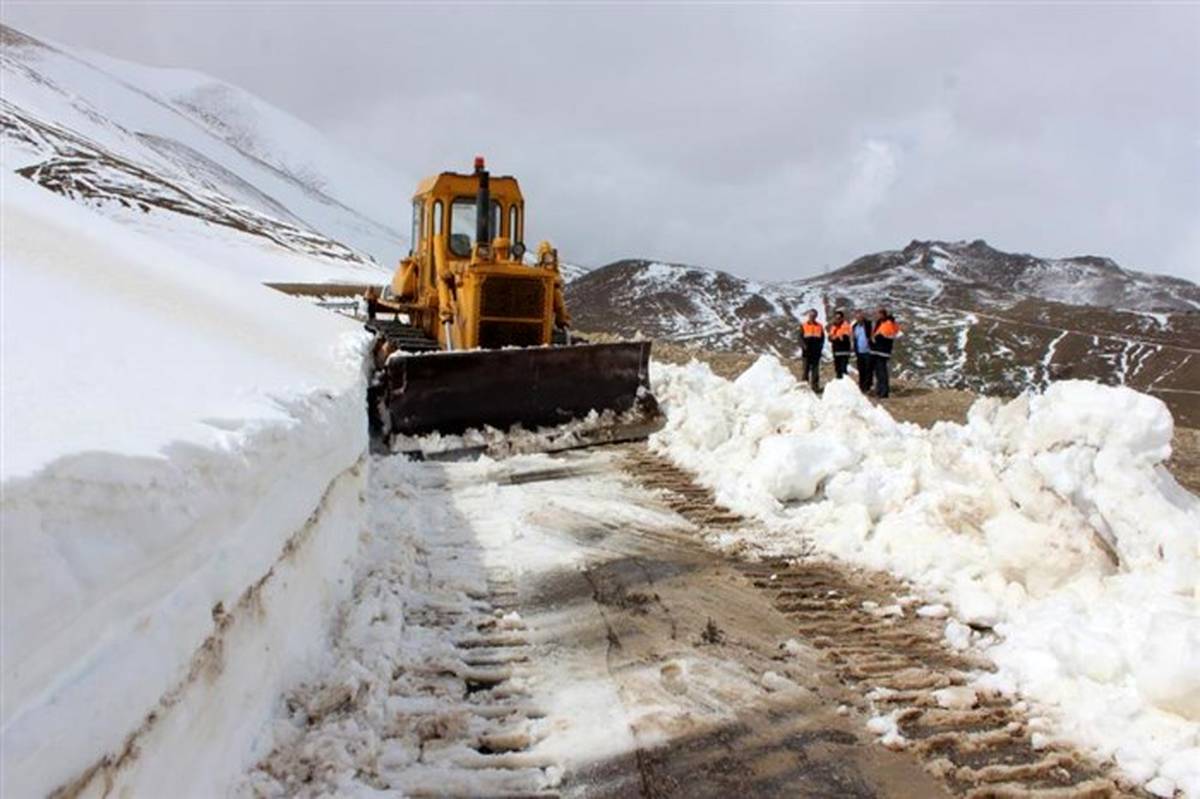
[462, 225]
[418, 219]
[436, 222]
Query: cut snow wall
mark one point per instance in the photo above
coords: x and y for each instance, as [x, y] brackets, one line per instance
[117, 570]
[208, 730]
[156, 466]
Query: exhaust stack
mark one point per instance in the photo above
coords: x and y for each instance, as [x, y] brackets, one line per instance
[483, 202]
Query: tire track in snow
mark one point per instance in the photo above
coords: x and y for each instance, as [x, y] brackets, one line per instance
[430, 689]
[980, 744]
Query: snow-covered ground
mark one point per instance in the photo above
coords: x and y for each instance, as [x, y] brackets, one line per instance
[1047, 524]
[391, 705]
[181, 470]
[537, 626]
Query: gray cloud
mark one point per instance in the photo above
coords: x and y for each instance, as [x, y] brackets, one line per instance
[769, 140]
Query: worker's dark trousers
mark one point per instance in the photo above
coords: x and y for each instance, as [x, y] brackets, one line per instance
[840, 364]
[866, 371]
[812, 372]
[881, 375]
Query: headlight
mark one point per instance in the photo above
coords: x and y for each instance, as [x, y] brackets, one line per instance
[518, 251]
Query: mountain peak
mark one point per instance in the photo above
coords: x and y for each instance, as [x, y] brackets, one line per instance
[11, 37]
[977, 247]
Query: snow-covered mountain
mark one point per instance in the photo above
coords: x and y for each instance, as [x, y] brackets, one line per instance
[709, 308]
[572, 271]
[943, 272]
[973, 317]
[195, 159]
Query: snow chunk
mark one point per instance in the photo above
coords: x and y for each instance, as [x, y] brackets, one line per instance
[1074, 412]
[1168, 671]
[888, 730]
[791, 467]
[792, 647]
[773, 681]
[1161, 786]
[958, 697]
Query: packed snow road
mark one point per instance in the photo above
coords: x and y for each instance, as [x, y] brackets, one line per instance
[556, 625]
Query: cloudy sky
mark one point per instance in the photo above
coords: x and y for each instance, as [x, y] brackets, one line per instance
[771, 140]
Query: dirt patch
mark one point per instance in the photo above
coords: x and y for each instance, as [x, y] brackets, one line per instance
[715, 707]
[1185, 460]
[926, 406]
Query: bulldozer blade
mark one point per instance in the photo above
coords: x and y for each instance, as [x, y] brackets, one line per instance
[449, 392]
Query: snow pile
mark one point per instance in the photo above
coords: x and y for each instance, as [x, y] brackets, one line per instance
[1049, 520]
[593, 428]
[180, 499]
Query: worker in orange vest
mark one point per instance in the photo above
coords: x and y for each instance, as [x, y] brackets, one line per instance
[813, 338]
[839, 342]
[883, 339]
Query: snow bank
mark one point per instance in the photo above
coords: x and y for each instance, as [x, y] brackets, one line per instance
[169, 430]
[1049, 518]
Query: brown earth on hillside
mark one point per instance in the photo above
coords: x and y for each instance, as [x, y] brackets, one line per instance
[1185, 462]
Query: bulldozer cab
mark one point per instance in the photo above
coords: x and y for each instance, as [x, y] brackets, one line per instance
[465, 282]
[445, 213]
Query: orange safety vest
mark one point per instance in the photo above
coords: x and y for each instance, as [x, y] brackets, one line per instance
[887, 328]
[812, 330]
[840, 331]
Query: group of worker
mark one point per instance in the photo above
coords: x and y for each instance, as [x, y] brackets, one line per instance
[870, 342]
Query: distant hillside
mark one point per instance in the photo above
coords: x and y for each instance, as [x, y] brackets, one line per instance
[973, 317]
[675, 302]
[183, 155]
[939, 271]
[572, 271]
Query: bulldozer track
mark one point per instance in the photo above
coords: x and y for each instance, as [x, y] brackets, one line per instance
[895, 666]
[466, 712]
[492, 754]
[403, 335]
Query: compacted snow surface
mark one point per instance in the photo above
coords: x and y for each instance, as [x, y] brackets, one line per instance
[390, 712]
[1047, 524]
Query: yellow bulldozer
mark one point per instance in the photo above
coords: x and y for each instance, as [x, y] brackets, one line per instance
[472, 332]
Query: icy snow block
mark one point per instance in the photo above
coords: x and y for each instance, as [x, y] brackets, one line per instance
[791, 468]
[1168, 674]
[1078, 411]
